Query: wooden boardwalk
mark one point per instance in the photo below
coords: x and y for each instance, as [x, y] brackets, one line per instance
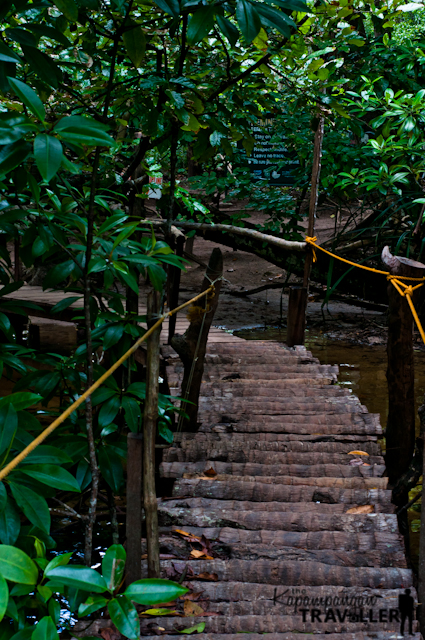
[290, 550]
[283, 531]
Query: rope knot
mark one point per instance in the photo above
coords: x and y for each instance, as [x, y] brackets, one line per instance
[408, 291]
[311, 241]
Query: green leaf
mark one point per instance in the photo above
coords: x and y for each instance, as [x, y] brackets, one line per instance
[28, 97]
[108, 411]
[92, 604]
[169, 6]
[52, 475]
[248, 20]
[48, 155]
[46, 454]
[154, 591]
[198, 628]
[16, 566]
[59, 273]
[12, 155]
[111, 468]
[113, 565]
[132, 413]
[58, 561]
[111, 222]
[68, 8]
[200, 24]
[46, 68]
[8, 55]
[21, 35]
[33, 505]
[8, 426]
[97, 264]
[228, 29]
[275, 19]
[157, 276]
[10, 524]
[135, 45]
[64, 304]
[79, 577]
[21, 400]
[43, 30]
[45, 630]
[3, 497]
[4, 596]
[112, 335]
[124, 616]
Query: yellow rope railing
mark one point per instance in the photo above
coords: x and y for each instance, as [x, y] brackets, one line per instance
[44, 434]
[404, 290]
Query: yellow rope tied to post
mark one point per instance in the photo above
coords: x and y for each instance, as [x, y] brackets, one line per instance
[404, 290]
[44, 434]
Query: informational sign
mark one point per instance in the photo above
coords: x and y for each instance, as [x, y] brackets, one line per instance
[270, 161]
[155, 187]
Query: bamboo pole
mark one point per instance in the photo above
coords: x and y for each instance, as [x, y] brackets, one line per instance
[149, 433]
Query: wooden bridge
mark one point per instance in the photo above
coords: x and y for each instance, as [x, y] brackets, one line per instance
[300, 534]
[278, 520]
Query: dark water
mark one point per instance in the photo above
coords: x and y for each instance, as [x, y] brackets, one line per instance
[361, 367]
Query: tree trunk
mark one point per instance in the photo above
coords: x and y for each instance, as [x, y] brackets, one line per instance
[149, 433]
[134, 507]
[400, 431]
[192, 346]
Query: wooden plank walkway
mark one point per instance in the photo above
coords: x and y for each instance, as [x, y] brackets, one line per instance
[288, 556]
[270, 495]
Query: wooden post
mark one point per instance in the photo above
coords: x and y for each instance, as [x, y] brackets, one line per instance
[296, 316]
[174, 287]
[296, 312]
[133, 521]
[400, 431]
[149, 433]
[193, 343]
[421, 564]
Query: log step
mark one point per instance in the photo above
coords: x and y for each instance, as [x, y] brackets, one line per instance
[224, 445]
[344, 483]
[177, 469]
[175, 454]
[265, 440]
[315, 540]
[278, 521]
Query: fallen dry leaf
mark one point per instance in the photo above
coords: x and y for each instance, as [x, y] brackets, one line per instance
[184, 533]
[210, 473]
[192, 609]
[200, 554]
[366, 508]
[207, 576]
[110, 633]
[358, 453]
[192, 596]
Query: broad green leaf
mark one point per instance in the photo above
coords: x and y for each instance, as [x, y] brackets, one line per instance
[125, 617]
[111, 468]
[228, 29]
[154, 591]
[79, 122]
[169, 6]
[20, 35]
[59, 273]
[90, 137]
[28, 97]
[248, 20]
[275, 19]
[157, 276]
[48, 155]
[43, 30]
[64, 304]
[79, 577]
[8, 426]
[4, 596]
[21, 400]
[92, 604]
[10, 524]
[3, 497]
[43, 65]
[33, 506]
[12, 155]
[200, 24]
[68, 8]
[16, 566]
[111, 222]
[108, 411]
[97, 264]
[135, 45]
[132, 413]
[45, 630]
[8, 55]
[52, 475]
[46, 454]
[58, 561]
[113, 565]
[113, 334]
